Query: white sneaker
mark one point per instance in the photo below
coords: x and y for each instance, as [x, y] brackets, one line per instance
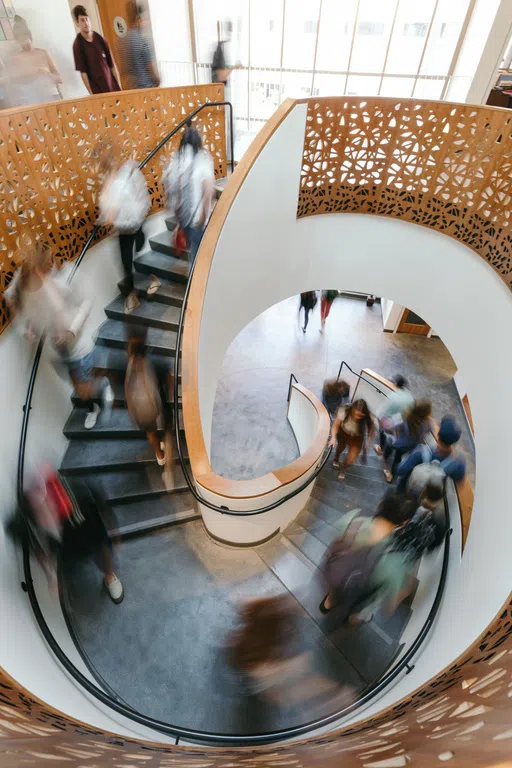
[92, 417]
[107, 397]
[115, 590]
[161, 462]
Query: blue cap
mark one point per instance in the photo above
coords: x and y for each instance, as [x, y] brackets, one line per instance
[449, 430]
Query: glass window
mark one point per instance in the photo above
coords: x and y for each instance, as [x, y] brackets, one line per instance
[296, 85]
[329, 85]
[374, 22]
[266, 33]
[299, 44]
[427, 88]
[265, 93]
[335, 34]
[408, 41]
[363, 85]
[444, 35]
[397, 86]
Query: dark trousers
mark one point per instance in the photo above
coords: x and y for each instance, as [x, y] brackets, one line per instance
[194, 236]
[126, 242]
[390, 450]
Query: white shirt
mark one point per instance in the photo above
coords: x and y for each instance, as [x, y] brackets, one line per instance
[124, 200]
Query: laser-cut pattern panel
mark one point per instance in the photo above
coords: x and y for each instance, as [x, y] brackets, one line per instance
[462, 715]
[445, 166]
[49, 174]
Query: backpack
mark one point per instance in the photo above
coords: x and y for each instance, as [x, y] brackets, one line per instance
[348, 570]
[430, 471]
[142, 394]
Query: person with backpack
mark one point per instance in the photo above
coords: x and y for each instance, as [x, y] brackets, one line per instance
[352, 429]
[360, 571]
[124, 204]
[409, 430]
[142, 393]
[189, 183]
[424, 464]
[397, 402]
[93, 58]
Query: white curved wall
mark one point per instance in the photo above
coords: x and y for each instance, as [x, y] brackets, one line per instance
[23, 652]
[264, 255]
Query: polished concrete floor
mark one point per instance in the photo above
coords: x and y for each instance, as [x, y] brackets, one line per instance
[250, 405]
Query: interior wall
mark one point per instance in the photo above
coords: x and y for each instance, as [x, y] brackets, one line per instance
[52, 28]
[319, 251]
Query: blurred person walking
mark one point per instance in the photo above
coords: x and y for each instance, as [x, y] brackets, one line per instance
[335, 392]
[361, 571]
[34, 77]
[326, 302]
[44, 304]
[397, 402]
[308, 301]
[409, 430]
[124, 204]
[424, 464]
[143, 399]
[353, 429]
[93, 58]
[139, 52]
[189, 182]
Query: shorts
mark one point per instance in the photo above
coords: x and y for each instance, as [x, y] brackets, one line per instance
[80, 369]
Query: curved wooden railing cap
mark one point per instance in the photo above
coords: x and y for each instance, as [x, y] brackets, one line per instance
[234, 489]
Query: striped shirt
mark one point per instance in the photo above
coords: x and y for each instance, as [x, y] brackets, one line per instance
[138, 56]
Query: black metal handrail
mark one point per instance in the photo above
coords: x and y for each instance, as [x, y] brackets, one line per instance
[98, 693]
[360, 377]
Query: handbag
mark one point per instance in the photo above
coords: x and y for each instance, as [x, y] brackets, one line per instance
[179, 241]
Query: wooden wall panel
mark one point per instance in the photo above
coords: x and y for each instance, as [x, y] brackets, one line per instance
[444, 166]
[49, 173]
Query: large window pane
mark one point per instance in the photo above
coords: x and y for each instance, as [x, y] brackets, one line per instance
[266, 33]
[428, 89]
[444, 35]
[363, 85]
[233, 18]
[409, 36]
[296, 85]
[265, 93]
[335, 35]
[329, 85]
[300, 28]
[373, 29]
[397, 86]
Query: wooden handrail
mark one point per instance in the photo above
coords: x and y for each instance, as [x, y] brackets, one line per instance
[197, 453]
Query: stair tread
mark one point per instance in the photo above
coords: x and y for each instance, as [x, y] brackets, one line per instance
[151, 313]
[162, 264]
[114, 333]
[180, 507]
[117, 385]
[116, 360]
[100, 454]
[169, 292]
[162, 242]
[127, 485]
[310, 546]
[118, 425]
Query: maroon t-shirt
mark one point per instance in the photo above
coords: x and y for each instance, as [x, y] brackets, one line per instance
[95, 60]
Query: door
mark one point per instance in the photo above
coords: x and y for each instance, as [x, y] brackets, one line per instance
[114, 15]
[410, 322]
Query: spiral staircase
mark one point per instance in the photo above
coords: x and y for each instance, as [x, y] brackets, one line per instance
[461, 706]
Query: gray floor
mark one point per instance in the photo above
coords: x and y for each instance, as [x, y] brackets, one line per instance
[163, 650]
[250, 405]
